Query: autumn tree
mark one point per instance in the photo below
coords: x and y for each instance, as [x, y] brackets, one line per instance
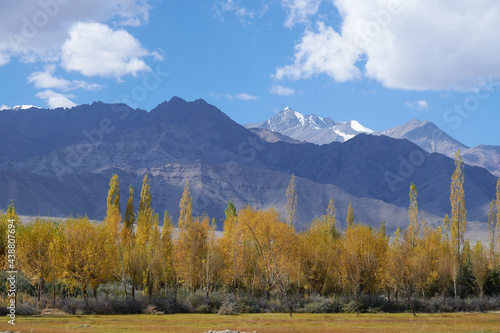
[350, 215]
[427, 258]
[191, 252]
[480, 266]
[492, 235]
[148, 240]
[167, 249]
[113, 212]
[319, 254]
[291, 201]
[35, 242]
[129, 219]
[186, 208]
[413, 226]
[230, 246]
[457, 221]
[363, 251]
[402, 266]
[87, 260]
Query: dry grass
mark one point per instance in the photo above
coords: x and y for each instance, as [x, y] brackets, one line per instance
[455, 322]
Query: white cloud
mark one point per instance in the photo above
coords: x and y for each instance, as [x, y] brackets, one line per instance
[243, 97]
[324, 51]
[419, 105]
[299, 11]
[4, 58]
[220, 7]
[240, 96]
[35, 30]
[282, 91]
[56, 100]
[412, 45]
[47, 80]
[94, 49]
[4, 107]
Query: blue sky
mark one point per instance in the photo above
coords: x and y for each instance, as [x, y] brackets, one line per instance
[381, 62]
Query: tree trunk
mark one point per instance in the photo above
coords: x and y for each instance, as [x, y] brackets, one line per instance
[54, 294]
[411, 304]
[133, 291]
[38, 293]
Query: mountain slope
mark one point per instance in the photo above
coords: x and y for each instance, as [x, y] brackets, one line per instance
[66, 169]
[426, 135]
[484, 156]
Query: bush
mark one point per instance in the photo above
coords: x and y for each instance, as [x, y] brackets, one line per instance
[322, 305]
[200, 303]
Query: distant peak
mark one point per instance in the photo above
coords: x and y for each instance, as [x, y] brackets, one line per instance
[20, 107]
[287, 109]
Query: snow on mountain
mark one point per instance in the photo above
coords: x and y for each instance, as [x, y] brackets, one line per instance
[360, 128]
[311, 128]
[19, 107]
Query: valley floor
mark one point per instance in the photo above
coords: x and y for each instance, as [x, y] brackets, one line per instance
[198, 323]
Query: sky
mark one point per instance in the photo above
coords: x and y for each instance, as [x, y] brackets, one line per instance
[380, 62]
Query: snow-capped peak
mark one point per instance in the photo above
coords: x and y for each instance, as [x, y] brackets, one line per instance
[359, 128]
[19, 107]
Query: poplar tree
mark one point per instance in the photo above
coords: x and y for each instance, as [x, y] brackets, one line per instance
[291, 202]
[186, 208]
[350, 215]
[129, 211]
[113, 213]
[458, 221]
[413, 226]
[492, 235]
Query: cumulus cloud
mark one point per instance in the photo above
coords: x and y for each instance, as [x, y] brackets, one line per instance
[94, 49]
[321, 51]
[282, 91]
[412, 45]
[419, 105]
[56, 100]
[35, 30]
[47, 80]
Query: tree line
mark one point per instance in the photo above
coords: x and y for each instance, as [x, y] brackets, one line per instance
[259, 252]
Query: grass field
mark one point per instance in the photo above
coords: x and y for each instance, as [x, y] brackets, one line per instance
[461, 322]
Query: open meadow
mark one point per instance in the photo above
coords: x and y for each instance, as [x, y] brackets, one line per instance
[198, 323]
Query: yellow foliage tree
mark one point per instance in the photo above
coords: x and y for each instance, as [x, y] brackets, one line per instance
[457, 221]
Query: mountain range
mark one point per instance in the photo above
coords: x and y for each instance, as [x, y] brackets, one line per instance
[58, 163]
[314, 129]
